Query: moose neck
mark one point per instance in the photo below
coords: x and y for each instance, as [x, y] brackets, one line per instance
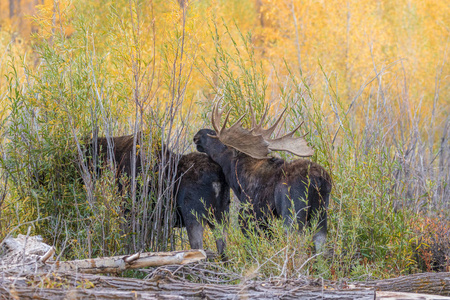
[224, 159]
[238, 172]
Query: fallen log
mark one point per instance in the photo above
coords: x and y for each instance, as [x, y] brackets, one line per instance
[30, 255]
[109, 264]
[166, 287]
[407, 296]
[424, 283]
[120, 263]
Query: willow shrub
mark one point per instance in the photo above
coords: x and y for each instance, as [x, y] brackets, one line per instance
[79, 88]
[369, 146]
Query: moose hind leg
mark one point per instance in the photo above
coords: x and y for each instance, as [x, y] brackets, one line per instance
[221, 242]
[222, 220]
[221, 245]
[320, 237]
[319, 240]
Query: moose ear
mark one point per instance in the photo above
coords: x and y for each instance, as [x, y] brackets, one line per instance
[212, 136]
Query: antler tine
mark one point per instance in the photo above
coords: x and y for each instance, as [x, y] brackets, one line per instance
[264, 116]
[255, 126]
[238, 122]
[213, 121]
[297, 146]
[266, 133]
[272, 128]
[215, 117]
[224, 123]
[290, 134]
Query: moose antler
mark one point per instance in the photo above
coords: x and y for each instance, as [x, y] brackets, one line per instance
[257, 128]
[257, 142]
[238, 137]
[296, 146]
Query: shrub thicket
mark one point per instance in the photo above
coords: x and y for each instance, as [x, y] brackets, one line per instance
[389, 161]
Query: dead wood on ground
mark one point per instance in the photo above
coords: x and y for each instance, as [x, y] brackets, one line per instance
[78, 286]
[425, 283]
[23, 255]
[28, 272]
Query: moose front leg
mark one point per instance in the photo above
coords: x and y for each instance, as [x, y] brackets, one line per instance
[195, 234]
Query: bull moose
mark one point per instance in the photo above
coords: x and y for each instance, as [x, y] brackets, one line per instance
[299, 189]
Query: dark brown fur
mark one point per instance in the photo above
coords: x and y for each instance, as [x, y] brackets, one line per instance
[200, 183]
[273, 185]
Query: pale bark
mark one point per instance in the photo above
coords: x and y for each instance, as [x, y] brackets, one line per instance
[426, 283]
[29, 255]
[166, 287]
[108, 264]
[71, 286]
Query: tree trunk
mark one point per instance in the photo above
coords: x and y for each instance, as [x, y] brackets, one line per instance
[11, 8]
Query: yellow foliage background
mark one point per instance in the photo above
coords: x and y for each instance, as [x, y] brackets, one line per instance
[351, 41]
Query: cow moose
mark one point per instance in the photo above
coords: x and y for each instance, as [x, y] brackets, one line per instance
[270, 185]
[200, 184]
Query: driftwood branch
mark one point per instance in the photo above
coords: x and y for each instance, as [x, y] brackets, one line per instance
[135, 261]
[109, 264]
[47, 255]
[29, 255]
